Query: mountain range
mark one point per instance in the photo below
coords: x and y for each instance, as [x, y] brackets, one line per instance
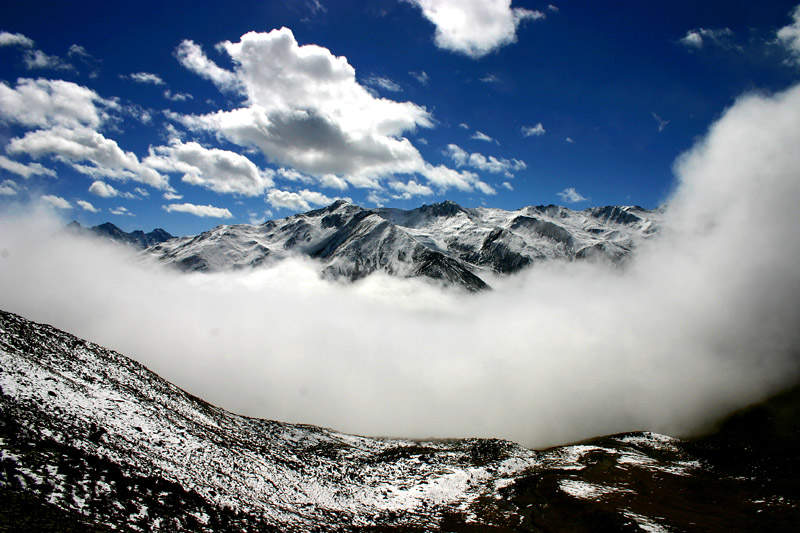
[93, 441]
[137, 238]
[443, 242]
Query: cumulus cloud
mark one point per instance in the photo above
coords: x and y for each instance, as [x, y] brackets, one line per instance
[198, 210]
[410, 189]
[192, 57]
[479, 161]
[571, 196]
[86, 206]
[47, 103]
[533, 131]
[474, 27]
[219, 170]
[15, 39]
[307, 111]
[104, 190]
[26, 171]
[444, 178]
[690, 329]
[145, 77]
[78, 145]
[56, 201]
[789, 35]
[297, 201]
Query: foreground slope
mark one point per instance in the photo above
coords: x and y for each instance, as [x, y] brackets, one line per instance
[444, 242]
[90, 441]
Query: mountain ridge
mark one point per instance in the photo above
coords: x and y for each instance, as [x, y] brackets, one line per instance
[136, 238]
[443, 242]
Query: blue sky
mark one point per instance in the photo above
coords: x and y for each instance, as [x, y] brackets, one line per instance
[184, 115]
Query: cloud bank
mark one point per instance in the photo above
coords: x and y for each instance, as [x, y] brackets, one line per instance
[702, 321]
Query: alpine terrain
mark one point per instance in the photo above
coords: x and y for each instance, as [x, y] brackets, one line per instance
[93, 441]
[444, 241]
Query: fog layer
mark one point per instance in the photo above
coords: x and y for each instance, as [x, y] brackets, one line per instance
[703, 320]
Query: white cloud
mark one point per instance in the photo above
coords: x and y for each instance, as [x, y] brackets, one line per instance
[56, 201]
[376, 199]
[297, 201]
[445, 178]
[463, 126]
[8, 188]
[306, 110]
[420, 76]
[15, 39]
[507, 185]
[86, 206]
[199, 210]
[80, 51]
[102, 189]
[141, 192]
[76, 145]
[172, 196]
[569, 140]
[479, 161]
[221, 171]
[122, 211]
[26, 171]
[383, 83]
[36, 59]
[46, 103]
[410, 189]
[490, 78]
[474, 27]
[533, 131]
[698, 37]
[789, 35]
[552, 8]
[480, 136]
[661, 122]
[192, 57]
[177, 97]
[145, 77]
[571, 196]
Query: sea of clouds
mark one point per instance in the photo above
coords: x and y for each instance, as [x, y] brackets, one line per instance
[704, 319]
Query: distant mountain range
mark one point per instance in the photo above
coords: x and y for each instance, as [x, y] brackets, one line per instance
[137, 238]
[93, 441]
[443, 242]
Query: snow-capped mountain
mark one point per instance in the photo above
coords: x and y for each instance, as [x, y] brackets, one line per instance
[441, 241]
[93, 441]
[136, 238]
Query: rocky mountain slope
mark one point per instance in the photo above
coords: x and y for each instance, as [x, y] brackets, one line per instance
[443, 241]
[137, 238]
[92, 441]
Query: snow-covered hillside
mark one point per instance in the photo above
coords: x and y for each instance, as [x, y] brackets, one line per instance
[92, 438]
[441, 241]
